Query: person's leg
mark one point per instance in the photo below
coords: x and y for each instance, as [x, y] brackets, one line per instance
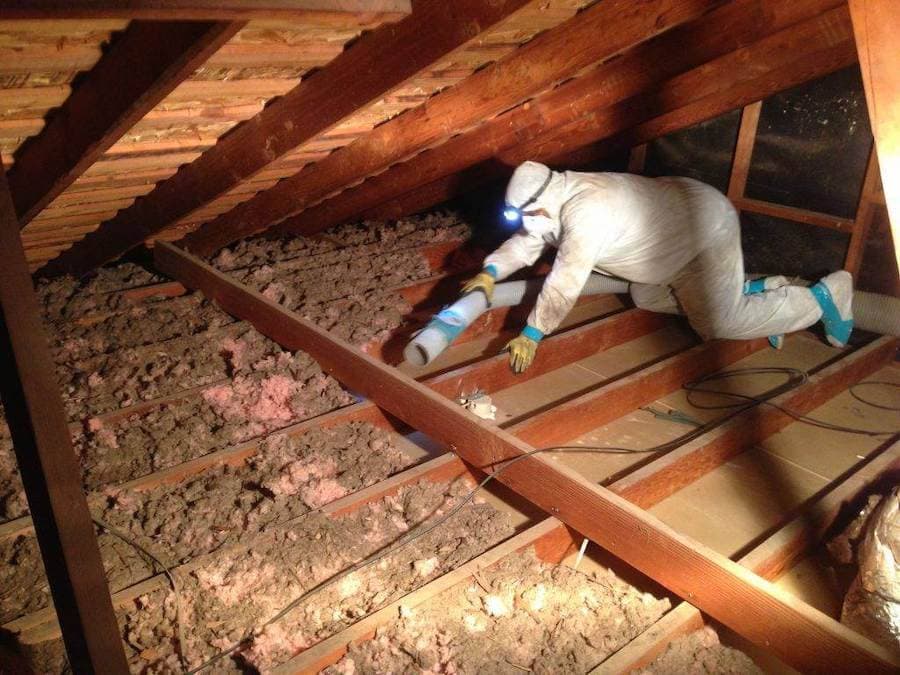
[711, 291]
[654, 298]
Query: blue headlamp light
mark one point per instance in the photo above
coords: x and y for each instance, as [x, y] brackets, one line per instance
[513, 214]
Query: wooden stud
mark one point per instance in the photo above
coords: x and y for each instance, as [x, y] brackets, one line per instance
[50, 471]
[377, 63]
[637, 158]
[743, 151]
[865, 212]
[761, 612]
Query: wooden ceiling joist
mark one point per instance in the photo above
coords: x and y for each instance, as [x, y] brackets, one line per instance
[196, 10]
[765, 614]
[596, 34]
[781, 61]
[709, 46]
[141, 68]
[375, 65]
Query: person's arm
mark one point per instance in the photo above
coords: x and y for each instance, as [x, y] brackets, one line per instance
[520, 250]
[581, 239]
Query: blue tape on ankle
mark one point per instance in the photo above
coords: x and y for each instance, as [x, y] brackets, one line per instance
[492, 270]
[532, 333]
[755, 286]
[449, 323]
[835, 326]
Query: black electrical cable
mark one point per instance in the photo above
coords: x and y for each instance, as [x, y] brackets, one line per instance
[795, 378]
[170, 575]
[868, 402]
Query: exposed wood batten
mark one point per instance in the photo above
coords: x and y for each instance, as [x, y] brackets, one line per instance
[142, 67]
[50, 470]
[365, 72]
[197, 10]
[730, 593]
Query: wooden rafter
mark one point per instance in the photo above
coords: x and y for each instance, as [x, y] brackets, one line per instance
[876, 24]
[865, 212]
[617, 95]
[808, 55]
[598, 33]
[143, 66]
[197, 10]
[763, 613]
[370, 68]
[48, 465]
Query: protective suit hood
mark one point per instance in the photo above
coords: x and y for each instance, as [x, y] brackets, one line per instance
[535, 186]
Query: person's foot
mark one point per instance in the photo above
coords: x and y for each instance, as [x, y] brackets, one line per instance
[834, 294]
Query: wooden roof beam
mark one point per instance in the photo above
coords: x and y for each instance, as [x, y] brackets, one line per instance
[50, 472]
[876, 24]
[198, 10]
[779, 62]
[596, 34]
[765, 614]
[373, 66]
[141, 68]
[708, 45]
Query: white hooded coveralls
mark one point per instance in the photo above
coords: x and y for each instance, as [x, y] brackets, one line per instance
[675, 239]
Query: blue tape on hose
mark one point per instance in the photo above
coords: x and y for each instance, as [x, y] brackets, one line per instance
[449, 323]
[835, 326]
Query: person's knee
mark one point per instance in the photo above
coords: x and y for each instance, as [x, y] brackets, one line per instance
[715, 327]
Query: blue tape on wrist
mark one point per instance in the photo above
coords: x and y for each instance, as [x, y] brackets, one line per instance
[532, 333]
[835, 326]
[755, 286]
[449, 323]
[492, 270]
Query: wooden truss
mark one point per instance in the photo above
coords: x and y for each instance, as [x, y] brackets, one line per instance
[611, 516]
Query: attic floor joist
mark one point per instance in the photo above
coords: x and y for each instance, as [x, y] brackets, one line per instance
[727, 591]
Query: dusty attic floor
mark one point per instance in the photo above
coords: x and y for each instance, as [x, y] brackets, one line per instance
[195, 445]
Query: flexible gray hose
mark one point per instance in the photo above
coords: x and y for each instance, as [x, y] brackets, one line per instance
[432, 340]
[876, 313]
[872, 312]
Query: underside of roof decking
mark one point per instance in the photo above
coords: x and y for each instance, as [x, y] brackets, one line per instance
[251, 123]
[249, 372]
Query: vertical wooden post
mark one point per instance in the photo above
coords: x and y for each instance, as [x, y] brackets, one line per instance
[50, 471]
[637, 158]
[876, 24]
[865, 211]
[743, 151]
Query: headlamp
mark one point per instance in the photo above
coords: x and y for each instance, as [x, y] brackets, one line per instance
[513, 214]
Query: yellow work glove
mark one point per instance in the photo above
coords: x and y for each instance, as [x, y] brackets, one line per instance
[483, 281]
[521, 352]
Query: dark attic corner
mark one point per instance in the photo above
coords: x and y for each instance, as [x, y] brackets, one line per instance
[407, 336]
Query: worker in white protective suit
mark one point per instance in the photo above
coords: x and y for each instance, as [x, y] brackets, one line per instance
[675, 239]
